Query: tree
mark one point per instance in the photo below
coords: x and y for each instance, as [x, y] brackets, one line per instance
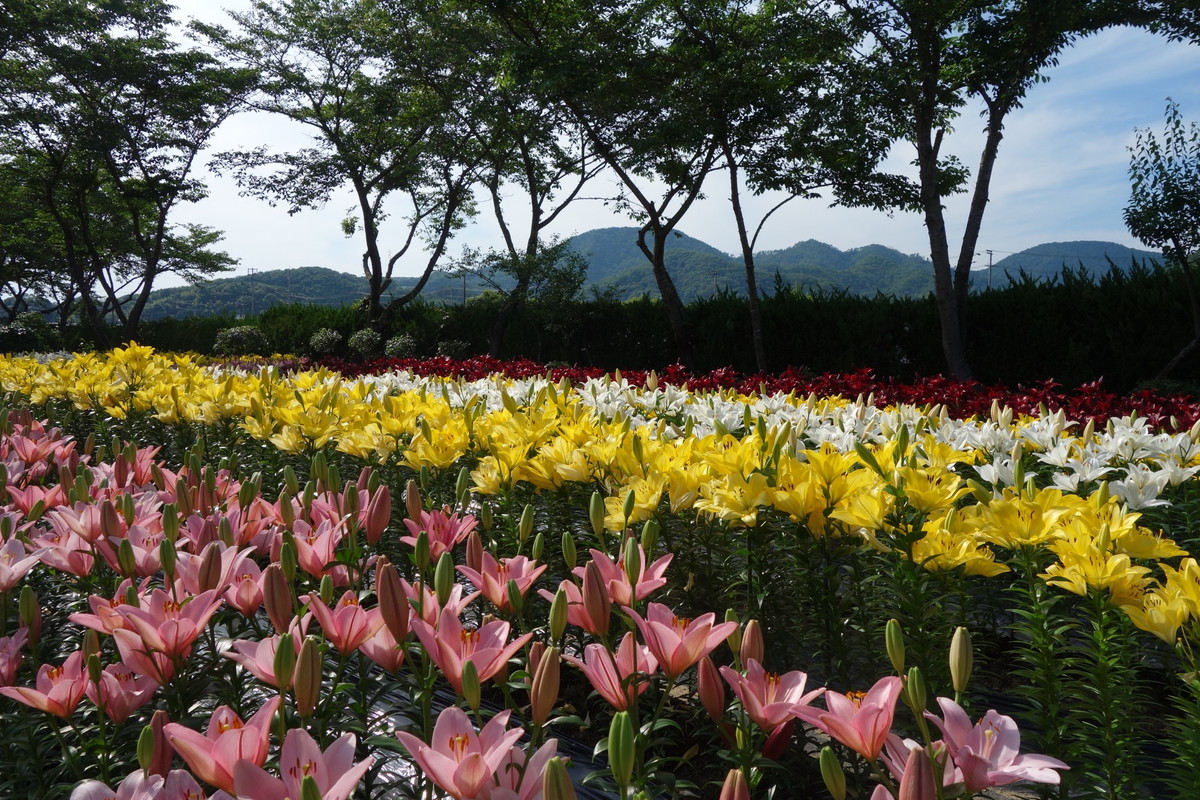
[1164, 205]
[779, 87]
[351, 72]
[618, 70]
[104, 114]
[534, 162]
[931, 55]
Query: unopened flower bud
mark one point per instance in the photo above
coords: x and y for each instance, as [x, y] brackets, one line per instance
[126, 559]
[961, 659]
[470, 685]
[893, 640]
[568, 549]
[487, 517]
[309, 790]
[421, 554]
[145, 748]
[393, 604]
[914, 689]
[289, 561]
[379, 514]
[539, 544]
[525, 525]
[94, 670]
[543, 692]
[325, 589]
[752, 643]
[29, 611]
[443, 578]
[632, 557]
[596, 515]
[622, 748]
[209, 574]
[628, 506]
[735, 787]
[284, 664]
[832, 773]
[650, 535]
[556, 783]
[307, 683]
[558, 615]
[474, 558]
[779, 739]
[734, 640]
[711, 689]
[596, 602]
[277, 597]
[412, 501]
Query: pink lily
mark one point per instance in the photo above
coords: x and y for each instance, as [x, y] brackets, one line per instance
[769, 697]
[678, 642]
[245, 592]
[214, 755]
[59, 689]
[493, 576]
[15, 562]
[24, 499]
[10, 656]
[140, 785]
[620, 590]
[258, 657]
[425, 604]
[334, 770]
[577, 610]
[459, 760]
[450, 645]
[861, 722]
[444, 530]
[121, 691]
[384, 650]
[316, 549]
[64, 550]
[167, 626]
[989, 753]
[617, 679]
[348, 624]
[521, 775]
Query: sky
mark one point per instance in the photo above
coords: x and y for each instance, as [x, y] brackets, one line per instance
[1061, 174]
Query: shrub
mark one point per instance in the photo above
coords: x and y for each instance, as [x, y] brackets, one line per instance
[243, 340]
[453, 348]
[365, 343]
[29, 332]
[403, 345]
[325, 342]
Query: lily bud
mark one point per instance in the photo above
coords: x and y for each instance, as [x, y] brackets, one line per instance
[474, 558]
[633, 561]
[91, 643]
[277, 597]
[832, 773]
[462, 487]
[289, 561]
[568, 549]
[556, 783]
[627, 508]
[487, 517]
[893, 640]
[325, 589]
[961, 659]
[209, 575]
[95, 671]
[317, 467]
[735, 787]
[170, 521]
[622, 749]
[470, 685]
[525, 526]
[307, 684]
[650, 535]
[779, 739]
[596, 515]
[558, 615]
[515, 598]
[711, 689]
[284, 664]
[287, 512]
[145, 748]
[421, 553]
[543, 693]
[349, 499]
[443, 578]
[379, 514]
[914, 689]
[309, 790]
[539, 544]
[596, 602]
[752, 643]
[110, 520]
[393, 604]
[424, 477]
[412, 500]
[125, 558]
[30, 614]
[734, 640]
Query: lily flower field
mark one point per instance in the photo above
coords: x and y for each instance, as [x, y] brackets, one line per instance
[264, 580]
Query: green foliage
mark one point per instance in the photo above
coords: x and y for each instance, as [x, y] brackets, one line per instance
[29, 333]
[1164, 203]
[244, 340]
[402, 345]
[365, 343]
[325, 342]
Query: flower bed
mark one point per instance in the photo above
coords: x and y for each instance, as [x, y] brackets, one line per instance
[211, 556]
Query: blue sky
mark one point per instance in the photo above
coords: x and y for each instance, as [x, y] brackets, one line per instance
[1061, 174]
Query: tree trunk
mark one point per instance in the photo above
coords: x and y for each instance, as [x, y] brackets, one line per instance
[979, 200]
[672, 304]
[735, 199]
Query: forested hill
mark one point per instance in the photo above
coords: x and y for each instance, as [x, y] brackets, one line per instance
[1047, 260]
[617, 265]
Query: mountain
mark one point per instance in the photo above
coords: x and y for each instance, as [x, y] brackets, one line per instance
[1046, 261]
[616, 265]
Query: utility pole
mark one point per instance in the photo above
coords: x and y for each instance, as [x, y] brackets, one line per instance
[989, 252]
[250, 276]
